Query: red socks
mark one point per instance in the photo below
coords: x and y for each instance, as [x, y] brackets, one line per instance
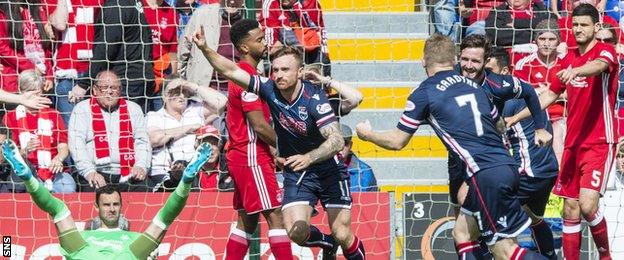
[598, 228]
[237, 245]
[280, 244]
[571, 239]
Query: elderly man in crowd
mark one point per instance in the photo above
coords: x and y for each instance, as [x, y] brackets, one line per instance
[107, 138]
[173, 128]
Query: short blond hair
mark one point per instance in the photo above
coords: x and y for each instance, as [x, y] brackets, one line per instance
[29, 80]
[439, 49]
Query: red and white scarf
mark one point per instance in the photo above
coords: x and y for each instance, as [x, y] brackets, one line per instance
[126, 138]
[44, 133]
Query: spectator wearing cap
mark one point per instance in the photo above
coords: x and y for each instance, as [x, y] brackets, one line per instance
[361, 174]
[172, 129]
[208, 175]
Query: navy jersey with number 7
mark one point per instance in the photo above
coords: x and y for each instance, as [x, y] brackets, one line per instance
[462, 116]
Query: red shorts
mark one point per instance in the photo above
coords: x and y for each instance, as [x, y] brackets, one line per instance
[586, 167]
[256, 188]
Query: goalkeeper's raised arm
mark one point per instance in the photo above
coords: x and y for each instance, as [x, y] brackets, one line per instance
[225, 67]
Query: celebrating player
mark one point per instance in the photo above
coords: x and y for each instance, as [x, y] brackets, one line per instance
[309, 138]
[249, 157]
[462, 116]
[591, 81]
[105, 244]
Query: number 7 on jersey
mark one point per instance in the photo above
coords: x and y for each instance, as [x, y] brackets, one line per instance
[472, 100]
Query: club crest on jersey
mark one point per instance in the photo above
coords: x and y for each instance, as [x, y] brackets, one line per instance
[303, 113]
[323, 108]
[249, 97]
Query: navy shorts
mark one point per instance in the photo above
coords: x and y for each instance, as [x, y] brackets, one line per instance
[492, 200]
[534, 192]
[457, 172]
[330, 186]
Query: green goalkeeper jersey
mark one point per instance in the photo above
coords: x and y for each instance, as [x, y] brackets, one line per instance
[105, 244]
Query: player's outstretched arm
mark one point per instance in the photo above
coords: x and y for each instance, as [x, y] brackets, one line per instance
[151, 237]
[69, 238]
[394, 139]
[592, 68]
[221, 64]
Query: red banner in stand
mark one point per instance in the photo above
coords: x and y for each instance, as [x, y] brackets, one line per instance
[200, 232]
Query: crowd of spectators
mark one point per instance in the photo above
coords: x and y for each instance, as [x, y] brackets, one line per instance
[129, 89]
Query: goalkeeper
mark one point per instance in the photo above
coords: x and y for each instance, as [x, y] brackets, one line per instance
[111, 244]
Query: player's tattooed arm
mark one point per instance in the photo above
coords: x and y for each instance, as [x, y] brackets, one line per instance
[333, 143]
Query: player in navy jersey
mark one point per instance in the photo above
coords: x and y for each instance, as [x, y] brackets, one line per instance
[474, 53]
[308, 138]
[538, 170]
[538, 166]
[461, 114]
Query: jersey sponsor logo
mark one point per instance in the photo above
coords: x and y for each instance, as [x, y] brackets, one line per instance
[506, 84]
[323, 108]
[293, 125]
[303, 113]
[102, 138]
[579, 82]
[263, 79]
[316, 96]
[248, 96]
[409, 106]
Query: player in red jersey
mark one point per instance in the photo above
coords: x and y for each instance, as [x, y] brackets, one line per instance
[540, 69]
[248, 155]
[590, 79]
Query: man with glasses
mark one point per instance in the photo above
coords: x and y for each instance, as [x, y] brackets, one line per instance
[107, 138]
[172, 129]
